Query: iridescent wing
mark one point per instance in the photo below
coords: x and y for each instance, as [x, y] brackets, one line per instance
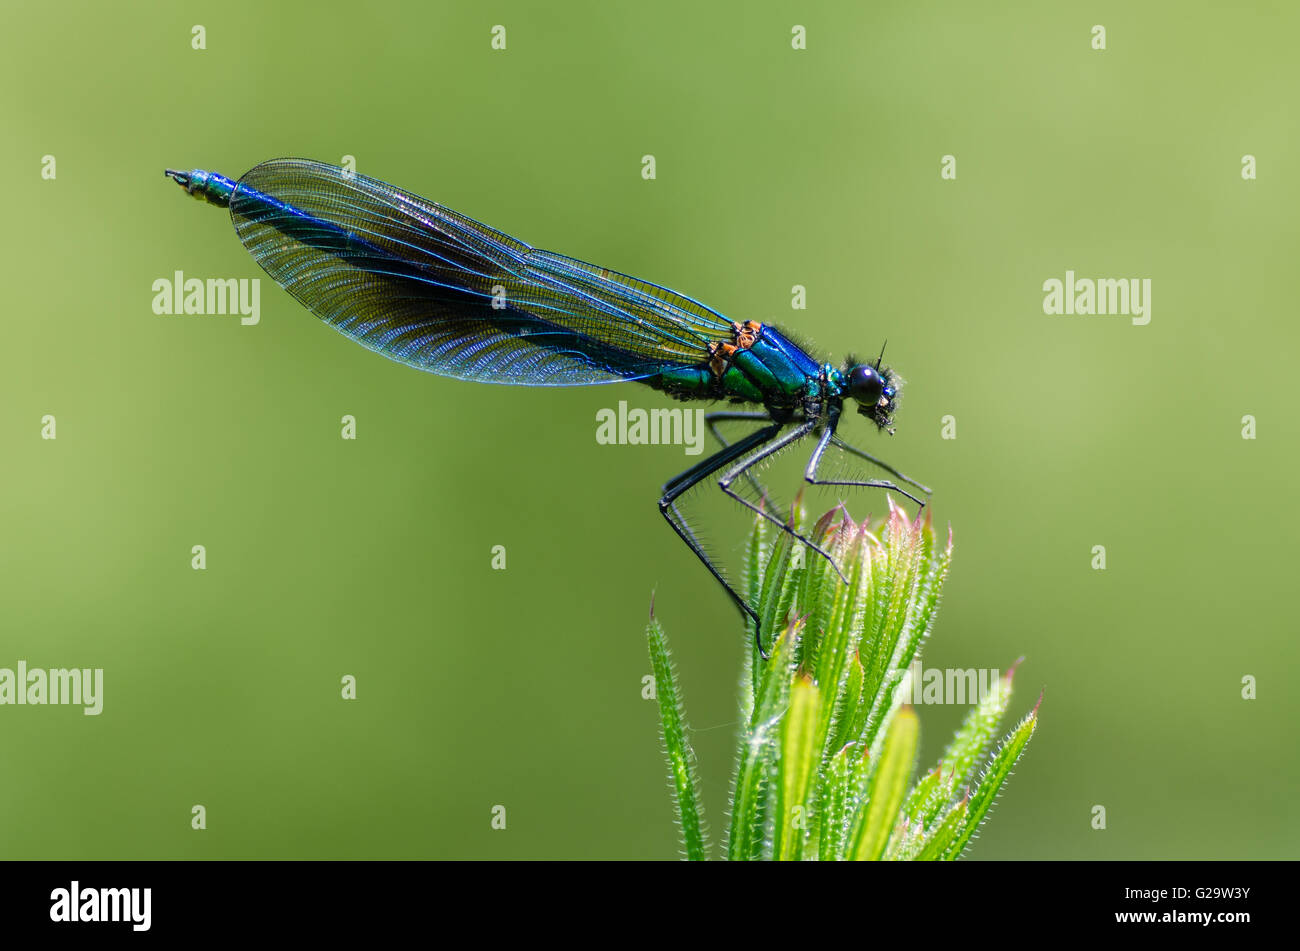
[433, 289]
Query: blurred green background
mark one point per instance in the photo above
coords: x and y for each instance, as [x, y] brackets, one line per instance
[775, 167]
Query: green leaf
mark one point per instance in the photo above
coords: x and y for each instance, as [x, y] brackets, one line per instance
[824, 767]
[896, 585]
[837, 673]
[774, 596]
[849, 723]
[886, 787]
[755, 559]
[681, 758]
[973, 738]
[836, 804]
[931, 572]
[831, 664]
[981, 801]
[796, 767]
[927, 788]
[816, 593]
[937, 843]
[750, 808]
[828, 664]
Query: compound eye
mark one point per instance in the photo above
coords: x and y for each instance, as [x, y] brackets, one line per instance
[865, 385]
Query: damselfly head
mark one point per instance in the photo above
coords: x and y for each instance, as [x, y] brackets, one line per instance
[876, 390]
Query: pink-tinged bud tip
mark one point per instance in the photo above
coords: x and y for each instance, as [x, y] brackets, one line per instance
[1011, 672]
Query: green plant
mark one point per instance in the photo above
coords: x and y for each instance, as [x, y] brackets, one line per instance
[828, 747]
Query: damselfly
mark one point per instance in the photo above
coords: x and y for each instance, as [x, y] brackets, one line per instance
[428, 287]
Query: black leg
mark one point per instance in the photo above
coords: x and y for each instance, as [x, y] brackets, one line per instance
[841, 444]
[712, 419]
[799, 432]
[750, 461]
[828, 437]
[679, 484]
[742, 456]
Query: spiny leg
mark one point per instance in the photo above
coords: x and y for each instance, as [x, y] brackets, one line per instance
[800, 431]
[675, 487]
[827, 438]
[861, 454]
[712, 419]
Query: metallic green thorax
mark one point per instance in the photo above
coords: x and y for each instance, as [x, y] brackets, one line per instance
[770, 371]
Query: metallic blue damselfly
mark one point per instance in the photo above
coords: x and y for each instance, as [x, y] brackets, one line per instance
[431, 288]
